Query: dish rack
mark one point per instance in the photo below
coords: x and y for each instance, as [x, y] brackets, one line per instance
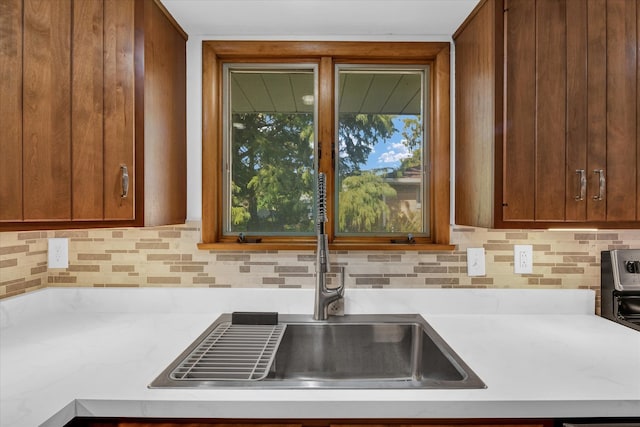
[232, 352]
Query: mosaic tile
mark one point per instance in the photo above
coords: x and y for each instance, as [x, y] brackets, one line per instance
[168, 256]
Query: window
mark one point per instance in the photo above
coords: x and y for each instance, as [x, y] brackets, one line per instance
[373, 116]
[382, 150]
[269, 130]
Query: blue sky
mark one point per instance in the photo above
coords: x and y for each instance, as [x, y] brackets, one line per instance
[389, 154]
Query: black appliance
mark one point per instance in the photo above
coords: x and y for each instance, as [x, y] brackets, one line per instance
[620, 286]
[600, 423]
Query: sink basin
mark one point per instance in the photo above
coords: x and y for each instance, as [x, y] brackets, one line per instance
[353, 351]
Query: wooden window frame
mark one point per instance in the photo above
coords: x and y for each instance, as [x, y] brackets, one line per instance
[326, 54]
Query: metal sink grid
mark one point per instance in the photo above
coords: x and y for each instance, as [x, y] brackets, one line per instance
[232, 352]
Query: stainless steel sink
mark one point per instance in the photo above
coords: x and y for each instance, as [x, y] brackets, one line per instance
[354, 351]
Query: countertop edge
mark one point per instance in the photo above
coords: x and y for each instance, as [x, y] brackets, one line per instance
[348, 409]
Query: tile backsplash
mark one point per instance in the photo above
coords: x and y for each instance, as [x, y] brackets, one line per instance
[168, 256]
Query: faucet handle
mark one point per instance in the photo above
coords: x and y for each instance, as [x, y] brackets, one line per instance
[340, 288]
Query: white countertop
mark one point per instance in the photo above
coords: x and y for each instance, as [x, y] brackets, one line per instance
[92, 352]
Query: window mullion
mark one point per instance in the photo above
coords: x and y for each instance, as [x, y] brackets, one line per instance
[326, 135]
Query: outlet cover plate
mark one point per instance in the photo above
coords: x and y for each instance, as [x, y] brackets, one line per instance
[58, 253]
[522, 259]
[475, 262]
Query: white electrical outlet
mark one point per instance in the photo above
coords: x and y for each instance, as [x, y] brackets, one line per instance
[522, 259]
[58, 254]
[475, 262]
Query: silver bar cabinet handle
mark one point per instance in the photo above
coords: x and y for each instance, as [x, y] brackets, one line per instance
[582, 181]
[124, 172]
[602, 185]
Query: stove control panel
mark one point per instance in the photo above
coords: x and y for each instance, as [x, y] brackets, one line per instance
[632, 267]
[626, 269]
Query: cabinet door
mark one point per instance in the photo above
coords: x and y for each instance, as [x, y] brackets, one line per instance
[536, 104]
[165, 119]
[46, 106]
[103, 109]
[520, 109]
[622, 143]
[571, 145]
[638, 113]
[545, 54]
[86, 113]
[611, 97]
[477, 112]
[581, 88]
[597, 106]
[119, 107]
[11, 110]
[602, 140]
[551, 104]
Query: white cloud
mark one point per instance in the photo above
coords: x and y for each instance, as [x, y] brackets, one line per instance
[395, 153]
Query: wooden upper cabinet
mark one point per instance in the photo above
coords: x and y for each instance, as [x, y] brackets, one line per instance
[87, 104]
[551, 32]
[103, 109]
[165, 117]
[622, 116]
[78, 109]
[563, 107]
[584, 81]
[46, 143]
[11, 110]
[75, 77]
[119, 109]
[520, 107]
[478, 107]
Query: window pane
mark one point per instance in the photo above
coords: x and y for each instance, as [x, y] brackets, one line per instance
[270, 147]
[381, 155]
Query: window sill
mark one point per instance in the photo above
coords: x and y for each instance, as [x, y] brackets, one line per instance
[305, 246]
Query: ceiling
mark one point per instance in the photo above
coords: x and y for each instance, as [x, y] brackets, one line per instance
[321, 19]
[271, 92]
[371, 92]
[419, 20]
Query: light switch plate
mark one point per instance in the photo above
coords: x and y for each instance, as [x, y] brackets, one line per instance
[58, 253]
[475, 262]
[522, 259]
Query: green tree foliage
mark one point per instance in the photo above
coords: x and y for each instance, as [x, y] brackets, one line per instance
[239, 208]
[412, 139]
[403, 219]
[272, 164]
[362, 206]
[412, 132]
[273, 178]
[369, 204]
[358, 134]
